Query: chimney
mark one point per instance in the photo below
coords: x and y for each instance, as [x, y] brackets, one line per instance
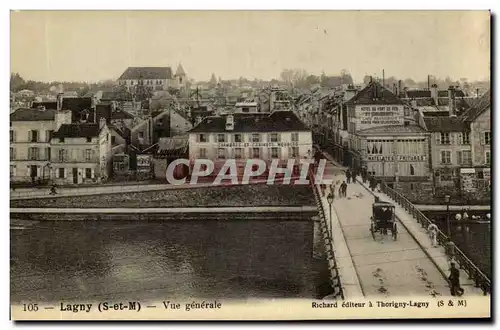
[451, 101]
[399, 86]
[434, 93]
[59, 99]
[229, 123]
[102, 122]
[428, 82]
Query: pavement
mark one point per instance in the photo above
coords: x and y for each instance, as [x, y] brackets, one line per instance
[385, 268]
[436, 254]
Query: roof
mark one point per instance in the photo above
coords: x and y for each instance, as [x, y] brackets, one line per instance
[383, 204]
[375, 93]
[147, 73]
[418, 93]
[445, 124]
[69, 103]
[180, 71]
[481, 105]
[77, 130]
[392, 129]
[277, 121]
[444, 93]
[121, 114]
[30, 114]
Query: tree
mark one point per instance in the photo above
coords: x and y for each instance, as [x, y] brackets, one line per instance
[213, 80]
[312, 80]
[16, 82]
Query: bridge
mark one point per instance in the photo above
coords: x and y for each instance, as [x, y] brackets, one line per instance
[408, 266]
[359, 265]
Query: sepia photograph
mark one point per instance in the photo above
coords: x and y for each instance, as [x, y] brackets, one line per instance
[250, 165]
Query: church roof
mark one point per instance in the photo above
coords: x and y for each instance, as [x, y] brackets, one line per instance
[180, 71]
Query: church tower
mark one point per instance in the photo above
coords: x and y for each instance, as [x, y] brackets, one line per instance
[180, 76]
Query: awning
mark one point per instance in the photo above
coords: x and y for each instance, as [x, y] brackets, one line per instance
[172, 145]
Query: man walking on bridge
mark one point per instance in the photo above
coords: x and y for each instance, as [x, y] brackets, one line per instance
[454, 279]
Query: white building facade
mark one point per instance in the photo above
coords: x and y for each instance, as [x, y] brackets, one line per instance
[279, 135]
[30, 148]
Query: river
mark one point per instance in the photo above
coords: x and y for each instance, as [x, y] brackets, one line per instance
[225, 259]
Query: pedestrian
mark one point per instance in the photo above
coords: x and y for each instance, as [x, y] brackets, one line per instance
[348, 176]
[53, 190]
[340, 192]
[432, 229]
[454, 279]
[332, 189]
[344, 189]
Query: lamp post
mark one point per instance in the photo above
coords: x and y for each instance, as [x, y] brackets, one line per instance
[329, 198]
[447, 199]
[450, 246]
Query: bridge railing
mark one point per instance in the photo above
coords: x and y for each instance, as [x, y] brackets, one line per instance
[480, 279]
[327, 236]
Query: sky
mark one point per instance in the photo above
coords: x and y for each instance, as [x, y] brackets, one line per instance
[98, 45]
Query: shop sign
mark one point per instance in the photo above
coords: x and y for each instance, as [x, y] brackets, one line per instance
[257, 144]
[397, 158]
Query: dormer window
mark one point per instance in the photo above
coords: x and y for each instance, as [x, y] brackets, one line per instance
[89, 139]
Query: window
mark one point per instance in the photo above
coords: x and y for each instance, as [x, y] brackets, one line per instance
[12, 170]
[255, 153]
[487, 157]
[11, 136]
[33, 153]
[295, 137]
[61, 173]
[88, 155]
[89, 139]
[62, 155]
[33, 136]
[238, 153]
[202, 138]
[274, 137]
[113, 139]
[256, 137]
[221, 138]
[274, 153]
[445, 157]
[141, 135]
[412, 170]
[245, 109]
[486, 138]
[221, 153]
[61, 139]
[238, 138]
[445, 138]
[203, 152]
[12, 153]
[294, 151]
[464, 157]
[464, 138]
[48, 153]
[88, 173]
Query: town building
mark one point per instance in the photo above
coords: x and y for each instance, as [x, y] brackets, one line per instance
[31, 130]
[267, 136]
[450, 151]
[476, 180]
[156, 78]
[81, 153]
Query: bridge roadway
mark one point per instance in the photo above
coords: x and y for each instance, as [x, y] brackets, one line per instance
[381, 267]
